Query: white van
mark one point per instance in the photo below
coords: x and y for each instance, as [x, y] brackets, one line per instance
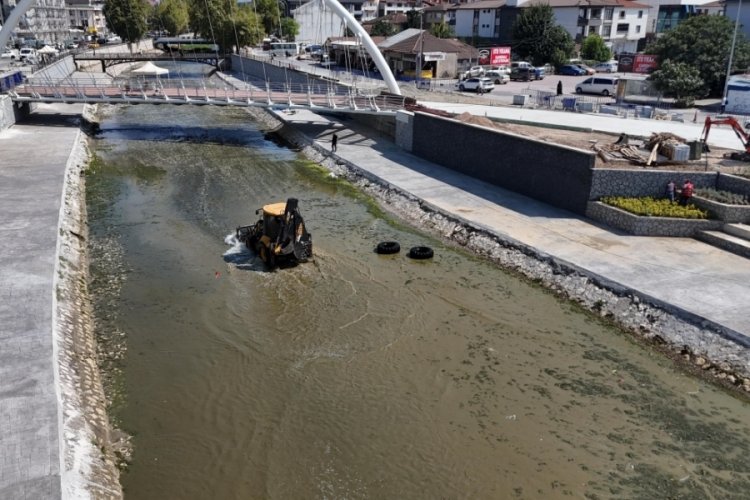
[27, 52]
[604, 85]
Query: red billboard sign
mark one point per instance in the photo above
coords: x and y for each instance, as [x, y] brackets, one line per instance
[495, 56]
[500, 56]
[645, 63]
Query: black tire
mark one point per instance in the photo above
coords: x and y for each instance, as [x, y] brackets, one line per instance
[421, 253]
[579, 90]
[388, 247]
[605, 93]
[461, 88]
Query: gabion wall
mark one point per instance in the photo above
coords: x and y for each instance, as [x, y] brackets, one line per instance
[644, 182]
[648, 226]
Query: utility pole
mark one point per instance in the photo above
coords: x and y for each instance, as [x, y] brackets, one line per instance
[421, 48]
[731, 55]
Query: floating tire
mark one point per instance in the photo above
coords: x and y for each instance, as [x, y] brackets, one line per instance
[421, 253]
[388, 247]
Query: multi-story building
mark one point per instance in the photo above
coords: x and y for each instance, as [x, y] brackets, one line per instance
[87, 15]
[620, 23]
[45, 22]
[386, 7]
[479, 19]
[439, 13]
[667, 14]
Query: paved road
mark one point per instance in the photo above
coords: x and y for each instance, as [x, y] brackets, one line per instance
[32, 167]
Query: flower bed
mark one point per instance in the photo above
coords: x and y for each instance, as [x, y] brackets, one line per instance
[648, 225]
[655, 207]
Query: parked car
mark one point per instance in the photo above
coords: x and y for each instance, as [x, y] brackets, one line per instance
[501, 69]
[520, 64]
[588, 70]
[474, 71]
[11, 54]
[539, 73]
[497, 76]
[604, 85]
[606, 67]
[570, 70]
[315, 51]
[526, 74]
[477, 84]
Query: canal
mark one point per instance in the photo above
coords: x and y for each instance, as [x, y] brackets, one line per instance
[359, 375]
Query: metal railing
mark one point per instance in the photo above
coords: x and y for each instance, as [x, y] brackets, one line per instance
[201, 91]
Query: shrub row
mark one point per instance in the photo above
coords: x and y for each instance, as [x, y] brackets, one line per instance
[655, 207]
[726, 197]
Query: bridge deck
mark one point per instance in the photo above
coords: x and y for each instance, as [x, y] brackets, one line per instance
[278, 96]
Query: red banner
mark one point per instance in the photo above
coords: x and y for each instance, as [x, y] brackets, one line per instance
[500, 56]
[645, 63]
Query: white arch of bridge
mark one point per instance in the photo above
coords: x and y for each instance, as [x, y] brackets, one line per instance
[335, 6]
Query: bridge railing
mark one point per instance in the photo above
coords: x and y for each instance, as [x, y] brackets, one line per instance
[199, 91]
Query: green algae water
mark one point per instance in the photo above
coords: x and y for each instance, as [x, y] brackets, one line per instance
[359, 375]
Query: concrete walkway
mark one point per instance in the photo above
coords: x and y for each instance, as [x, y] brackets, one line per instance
[720, 135]
[679, 273]
[33, 157]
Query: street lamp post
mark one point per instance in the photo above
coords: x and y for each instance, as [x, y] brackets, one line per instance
[421, 50]
[731, 55]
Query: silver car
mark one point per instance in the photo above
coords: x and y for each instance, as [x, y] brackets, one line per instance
[477, 84]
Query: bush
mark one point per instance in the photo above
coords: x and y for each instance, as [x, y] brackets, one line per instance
[726, 197]
[653, 207]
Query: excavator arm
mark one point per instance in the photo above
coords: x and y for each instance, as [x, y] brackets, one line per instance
[738, 130]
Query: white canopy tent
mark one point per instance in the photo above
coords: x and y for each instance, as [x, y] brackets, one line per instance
[47, 50]
[150, 69]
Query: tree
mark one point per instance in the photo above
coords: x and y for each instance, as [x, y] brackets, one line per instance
[127, 18]
[442, 30]
[172, 15]
[413, 19]
[536, 36]
[224, 22]
[382, 28]
[289, 28]
[269, 13]
[680, 80]
[593, 47]
[704, 42]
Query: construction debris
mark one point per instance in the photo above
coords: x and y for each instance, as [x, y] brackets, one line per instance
[619, 150]
[670, 146]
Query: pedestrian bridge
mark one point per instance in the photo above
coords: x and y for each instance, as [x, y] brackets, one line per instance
[111, 59]
[318, 96]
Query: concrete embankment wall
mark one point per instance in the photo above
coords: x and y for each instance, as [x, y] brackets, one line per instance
[558, 175]
[7, 116]
[276, 72]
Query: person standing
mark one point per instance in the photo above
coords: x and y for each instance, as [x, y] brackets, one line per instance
[686, 193]
[670, 191]
[559, 87]
[334, 142]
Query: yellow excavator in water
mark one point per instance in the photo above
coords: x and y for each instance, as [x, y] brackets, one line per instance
[279, 238]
